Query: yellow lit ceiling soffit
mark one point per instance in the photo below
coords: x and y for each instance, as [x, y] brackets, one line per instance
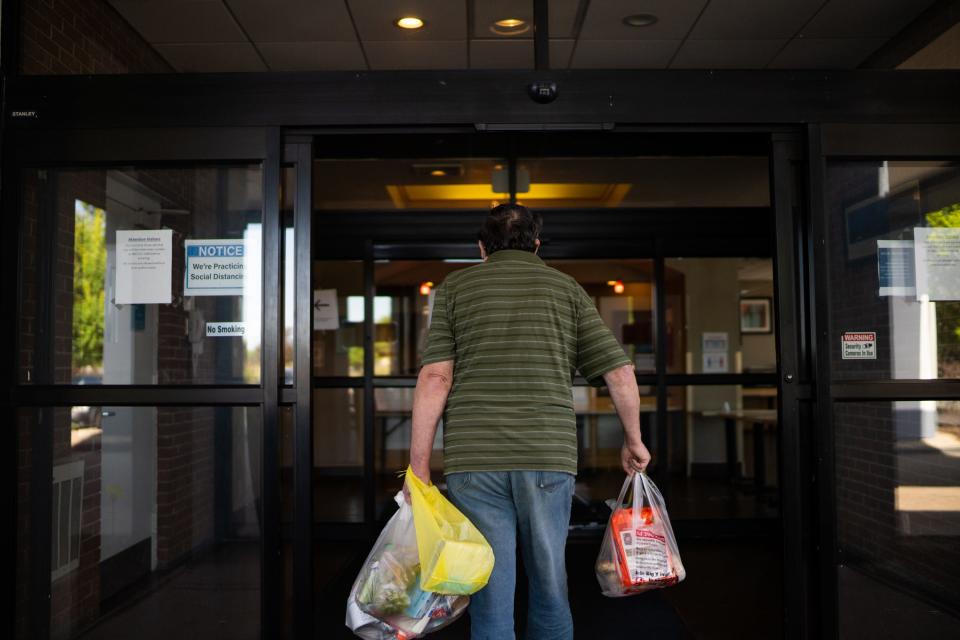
[543, 194]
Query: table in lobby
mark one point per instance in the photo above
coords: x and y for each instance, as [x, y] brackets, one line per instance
[758, 418]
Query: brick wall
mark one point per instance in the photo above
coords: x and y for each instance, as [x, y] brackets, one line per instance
[70, 37]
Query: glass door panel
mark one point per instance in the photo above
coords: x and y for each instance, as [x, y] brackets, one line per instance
[135, 275]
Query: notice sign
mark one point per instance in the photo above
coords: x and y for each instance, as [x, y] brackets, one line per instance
[225, 329]
[937, 259]
[214, 268]
[895, 268]
[326, 313]
[144, 266]
[859, 345]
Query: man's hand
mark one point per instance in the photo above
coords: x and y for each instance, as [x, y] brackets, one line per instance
[423, 473]
[634, 457]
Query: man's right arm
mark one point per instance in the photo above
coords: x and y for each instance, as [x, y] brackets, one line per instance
[626, 399]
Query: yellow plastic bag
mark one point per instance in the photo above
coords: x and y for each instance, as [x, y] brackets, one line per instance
[455, 558]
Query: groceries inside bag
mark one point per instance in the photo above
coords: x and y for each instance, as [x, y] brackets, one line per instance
[639, 551]
[387, 601]
[455, 558]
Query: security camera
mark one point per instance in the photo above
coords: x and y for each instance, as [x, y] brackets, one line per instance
[543, 91]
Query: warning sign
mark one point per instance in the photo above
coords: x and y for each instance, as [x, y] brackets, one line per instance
[859, 345]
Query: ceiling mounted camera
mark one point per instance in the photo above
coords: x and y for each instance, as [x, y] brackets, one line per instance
[543, 91]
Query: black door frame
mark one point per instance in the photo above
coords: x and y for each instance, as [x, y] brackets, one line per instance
[844, 141]
[407, 234]
[105, 148]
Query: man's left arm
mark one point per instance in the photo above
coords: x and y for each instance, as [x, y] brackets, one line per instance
[429, 399]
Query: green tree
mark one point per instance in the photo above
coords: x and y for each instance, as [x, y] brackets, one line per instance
[89, 270]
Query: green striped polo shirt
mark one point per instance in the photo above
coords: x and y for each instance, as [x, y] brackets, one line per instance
[517, 331]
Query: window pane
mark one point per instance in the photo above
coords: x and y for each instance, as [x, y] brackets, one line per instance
[623, 291]
[394, 409]
[600, 473]
[720, 315]
[141, 276]
[894, 242]
[898, 515]
[401, 311]
[287, 191]
[338, 455]
[722, 444]
[338, 318]
[151, 504]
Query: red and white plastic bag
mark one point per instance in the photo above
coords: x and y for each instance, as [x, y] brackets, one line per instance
[639, 551]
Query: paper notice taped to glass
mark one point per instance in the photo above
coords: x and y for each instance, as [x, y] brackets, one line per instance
[895, 268]
[937, 262]
[144, 266]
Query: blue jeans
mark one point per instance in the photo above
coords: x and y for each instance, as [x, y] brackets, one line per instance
[535, 504]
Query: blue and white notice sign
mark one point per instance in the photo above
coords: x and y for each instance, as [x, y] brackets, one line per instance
[214, 267]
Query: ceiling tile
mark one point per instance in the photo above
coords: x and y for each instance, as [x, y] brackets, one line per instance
[560, 51]
[416, 55]
[444, 20]
[293, 20]
[486, 12]
[604, 20]
[825, 53]
[211, 58]
[313, 56]
[501, 54]
[563, 16]
[864, 18]
[726, 54]
[753, 19]
[178, 21]
[623, 54]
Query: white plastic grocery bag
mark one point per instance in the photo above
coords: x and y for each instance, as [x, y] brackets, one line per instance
[386, 601]
[639, 551]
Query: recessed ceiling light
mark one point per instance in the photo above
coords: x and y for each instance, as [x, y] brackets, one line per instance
[510, 27]
[640, 20]
[409, 22]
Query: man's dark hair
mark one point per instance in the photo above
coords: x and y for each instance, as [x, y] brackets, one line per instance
[510, 226]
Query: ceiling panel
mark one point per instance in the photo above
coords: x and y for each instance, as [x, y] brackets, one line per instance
[313, 56]
[211, 58]
[623, 54]
[444, 19]
[824, 53]
[726, 54]
[560, 51]
[293, 20]
[486, 12]
[604, 20]
[501, 54]
[754, 19]
[864, 18]
[177, 21]
[416, 55]
[562, 17]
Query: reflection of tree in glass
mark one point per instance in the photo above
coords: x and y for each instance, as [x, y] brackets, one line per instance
[948, 313]
[89, 268]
